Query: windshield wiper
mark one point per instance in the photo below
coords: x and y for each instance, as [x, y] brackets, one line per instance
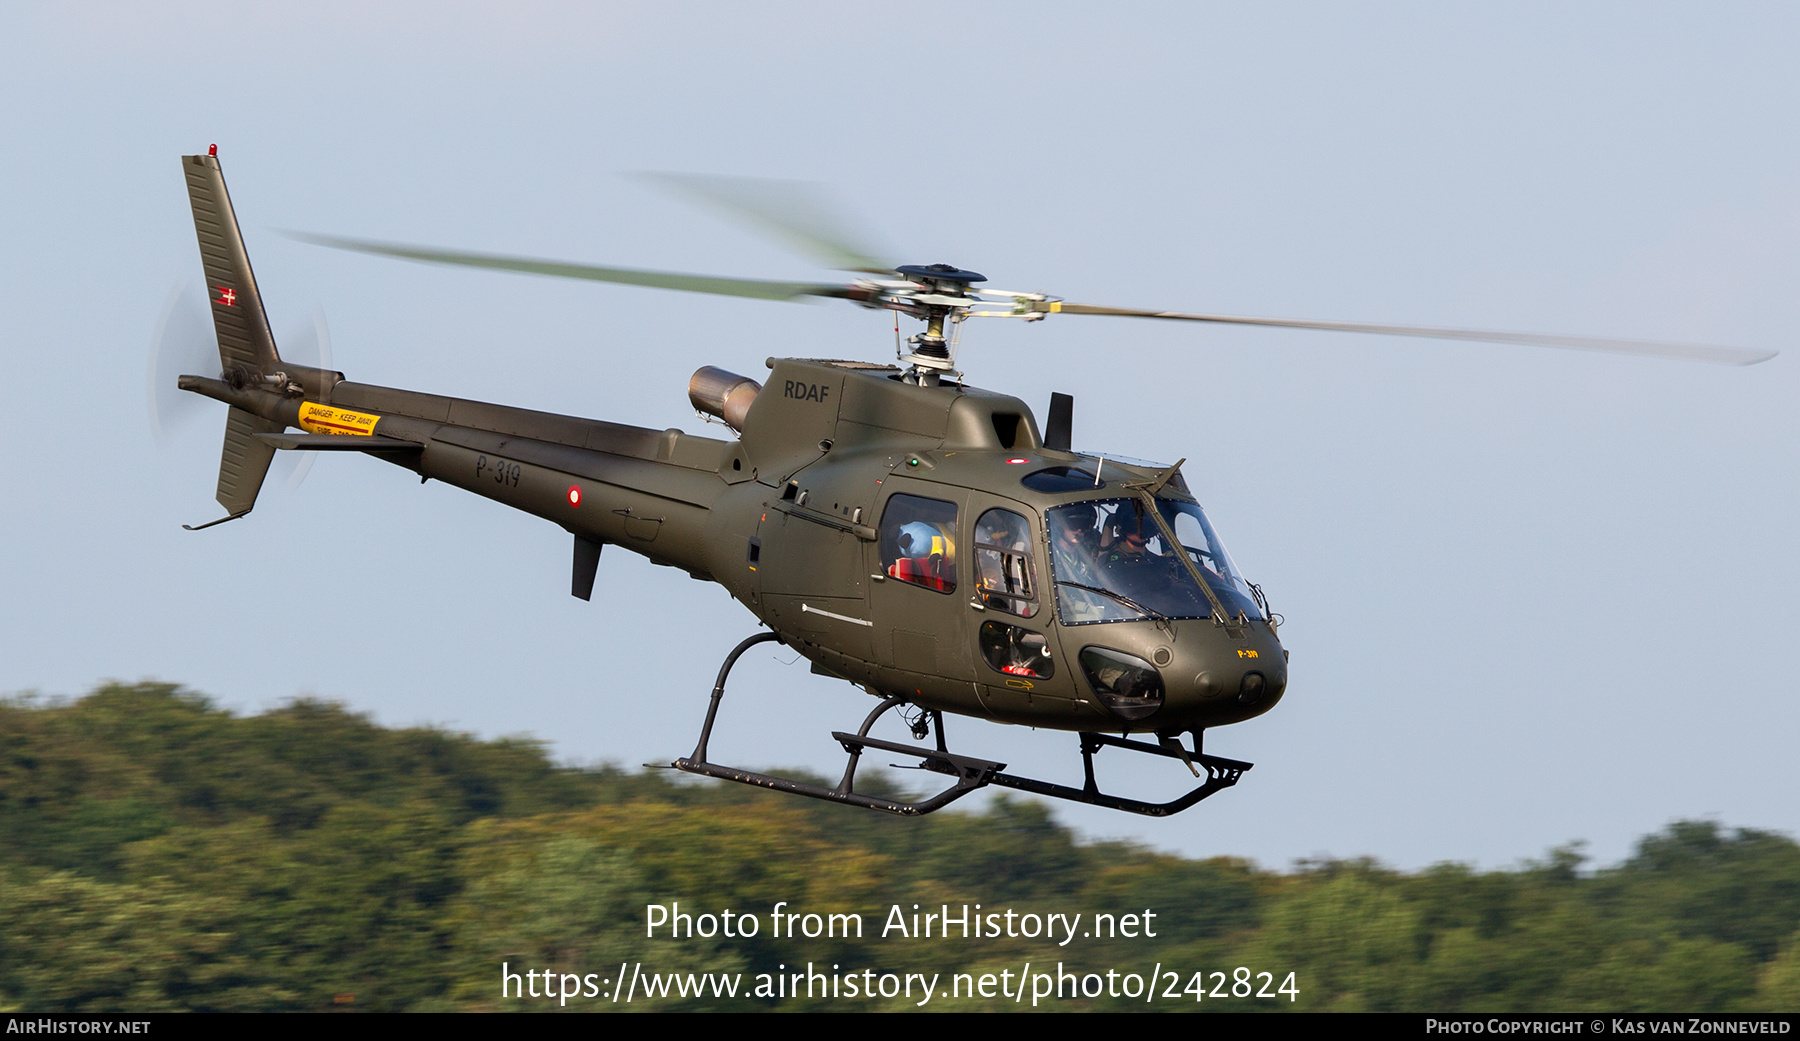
[1161, 619]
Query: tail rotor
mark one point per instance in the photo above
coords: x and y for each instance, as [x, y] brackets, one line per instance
[308, 345]
[183, 344]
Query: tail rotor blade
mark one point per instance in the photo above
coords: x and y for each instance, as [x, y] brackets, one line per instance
[309, 345]
[183, 344]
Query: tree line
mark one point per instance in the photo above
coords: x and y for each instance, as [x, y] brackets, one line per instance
[160, 853]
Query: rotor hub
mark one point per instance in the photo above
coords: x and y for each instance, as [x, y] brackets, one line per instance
[945, 278]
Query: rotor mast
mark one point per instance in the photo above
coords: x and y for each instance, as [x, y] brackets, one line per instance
[946, 299]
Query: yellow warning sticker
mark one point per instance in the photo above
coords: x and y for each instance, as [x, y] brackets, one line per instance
[323, 419]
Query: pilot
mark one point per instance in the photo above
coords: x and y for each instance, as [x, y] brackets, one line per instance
[1076, 545]
[1075, 551]
[1126, 555]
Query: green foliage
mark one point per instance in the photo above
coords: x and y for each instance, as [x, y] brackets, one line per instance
[1352, 935]
[73, 944]
[157, 852]
[555, 904]
[1739, 888]
[1778, 985]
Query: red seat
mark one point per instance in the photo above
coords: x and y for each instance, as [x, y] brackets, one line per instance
[922, 571]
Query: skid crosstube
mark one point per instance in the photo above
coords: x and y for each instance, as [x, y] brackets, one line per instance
[969, 772]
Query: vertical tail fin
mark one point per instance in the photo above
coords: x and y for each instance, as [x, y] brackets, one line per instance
[246, 346]
[244, 338]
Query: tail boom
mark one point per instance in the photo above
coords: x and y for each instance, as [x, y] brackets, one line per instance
[649, 491]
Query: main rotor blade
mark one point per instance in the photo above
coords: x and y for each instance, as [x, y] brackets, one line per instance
[1646, 348]
[748, 287]
[794, 211]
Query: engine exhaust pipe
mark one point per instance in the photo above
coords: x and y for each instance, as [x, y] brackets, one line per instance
[724, 394]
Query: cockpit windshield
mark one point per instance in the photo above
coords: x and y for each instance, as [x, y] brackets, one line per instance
[1112, 563]
[1197, 537]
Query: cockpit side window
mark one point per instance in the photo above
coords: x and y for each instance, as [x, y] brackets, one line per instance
[918, 542]
[1005, 579]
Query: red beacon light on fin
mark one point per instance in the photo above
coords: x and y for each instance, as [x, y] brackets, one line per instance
[212, 150]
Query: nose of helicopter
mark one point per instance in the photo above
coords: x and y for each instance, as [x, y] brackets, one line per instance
[1238, 689]
[1207, 676]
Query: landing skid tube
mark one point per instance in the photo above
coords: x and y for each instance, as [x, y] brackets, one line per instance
[968, 772]
[1221, 773]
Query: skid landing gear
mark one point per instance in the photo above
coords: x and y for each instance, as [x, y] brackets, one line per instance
[968, 772]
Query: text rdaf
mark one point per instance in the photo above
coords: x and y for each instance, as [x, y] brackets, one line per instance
[803, 391]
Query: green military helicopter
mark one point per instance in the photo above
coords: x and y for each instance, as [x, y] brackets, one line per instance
[918, 537]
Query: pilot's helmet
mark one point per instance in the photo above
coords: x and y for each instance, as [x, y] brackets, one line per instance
[1132, 521]
[920, 539]
[1081, 517]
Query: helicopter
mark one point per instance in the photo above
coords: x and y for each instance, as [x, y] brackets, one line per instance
[922, 539]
